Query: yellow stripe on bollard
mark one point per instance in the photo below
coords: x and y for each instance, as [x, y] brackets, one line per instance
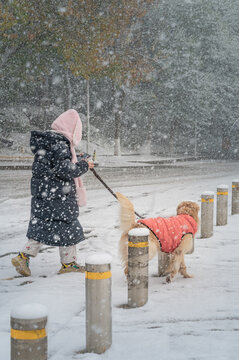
[222, 193]
[98, 275]
[138, 245]
[207, 200]
[28, 334]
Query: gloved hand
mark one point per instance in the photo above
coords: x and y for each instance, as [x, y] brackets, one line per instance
[86, 157]
[83, 156]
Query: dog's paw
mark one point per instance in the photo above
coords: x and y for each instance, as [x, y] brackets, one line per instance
[168, 279]
[187, 276]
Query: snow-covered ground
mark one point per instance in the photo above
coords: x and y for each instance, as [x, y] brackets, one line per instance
[194, 318]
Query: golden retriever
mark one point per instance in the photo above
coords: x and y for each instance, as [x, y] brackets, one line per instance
[176, 261]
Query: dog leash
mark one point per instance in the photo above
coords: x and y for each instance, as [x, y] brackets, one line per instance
[109, 189]
[112, 192]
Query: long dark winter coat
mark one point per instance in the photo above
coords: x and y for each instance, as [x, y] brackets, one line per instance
[54, 209]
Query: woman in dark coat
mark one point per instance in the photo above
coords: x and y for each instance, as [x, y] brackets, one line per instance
[57, 191]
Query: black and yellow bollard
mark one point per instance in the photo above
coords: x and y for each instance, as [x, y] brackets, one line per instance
[207, 211]
[235, 197]
[163, 263]
[98, 303]
[28, 332]
[138, 258]
[222, 204]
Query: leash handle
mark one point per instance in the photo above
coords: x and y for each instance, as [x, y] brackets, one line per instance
[94, 156]
[109, 189]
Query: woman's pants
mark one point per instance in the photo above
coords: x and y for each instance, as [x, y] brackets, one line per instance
[67, 253]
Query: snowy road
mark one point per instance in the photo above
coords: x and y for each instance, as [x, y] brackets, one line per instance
[16, 183]
[190, 319]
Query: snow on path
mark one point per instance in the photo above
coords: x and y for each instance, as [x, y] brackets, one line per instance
[189, 319]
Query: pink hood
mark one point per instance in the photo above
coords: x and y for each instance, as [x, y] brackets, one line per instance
[69, 124]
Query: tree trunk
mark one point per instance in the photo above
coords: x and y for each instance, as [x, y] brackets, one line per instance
[195, 137]
[45, 104]
[68, 99]
[88, 116]
[172, 135]
[117, 151]
[148, 142]
[119, 100]
[226, 145]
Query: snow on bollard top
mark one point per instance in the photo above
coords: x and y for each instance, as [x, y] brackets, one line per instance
[235, 180]
[99, 258]
[139, 232]
[208, 193]
[29, 311]
[222, 186]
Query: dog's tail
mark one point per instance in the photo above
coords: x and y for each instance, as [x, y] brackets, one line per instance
[127, 215]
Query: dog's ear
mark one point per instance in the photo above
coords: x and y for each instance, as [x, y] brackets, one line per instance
[190, 208]
[187, 206]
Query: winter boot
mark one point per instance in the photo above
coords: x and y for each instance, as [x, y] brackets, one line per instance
[71, 267]
[21, 263]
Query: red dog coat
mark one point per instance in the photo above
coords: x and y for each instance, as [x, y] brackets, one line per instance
[170, 230]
